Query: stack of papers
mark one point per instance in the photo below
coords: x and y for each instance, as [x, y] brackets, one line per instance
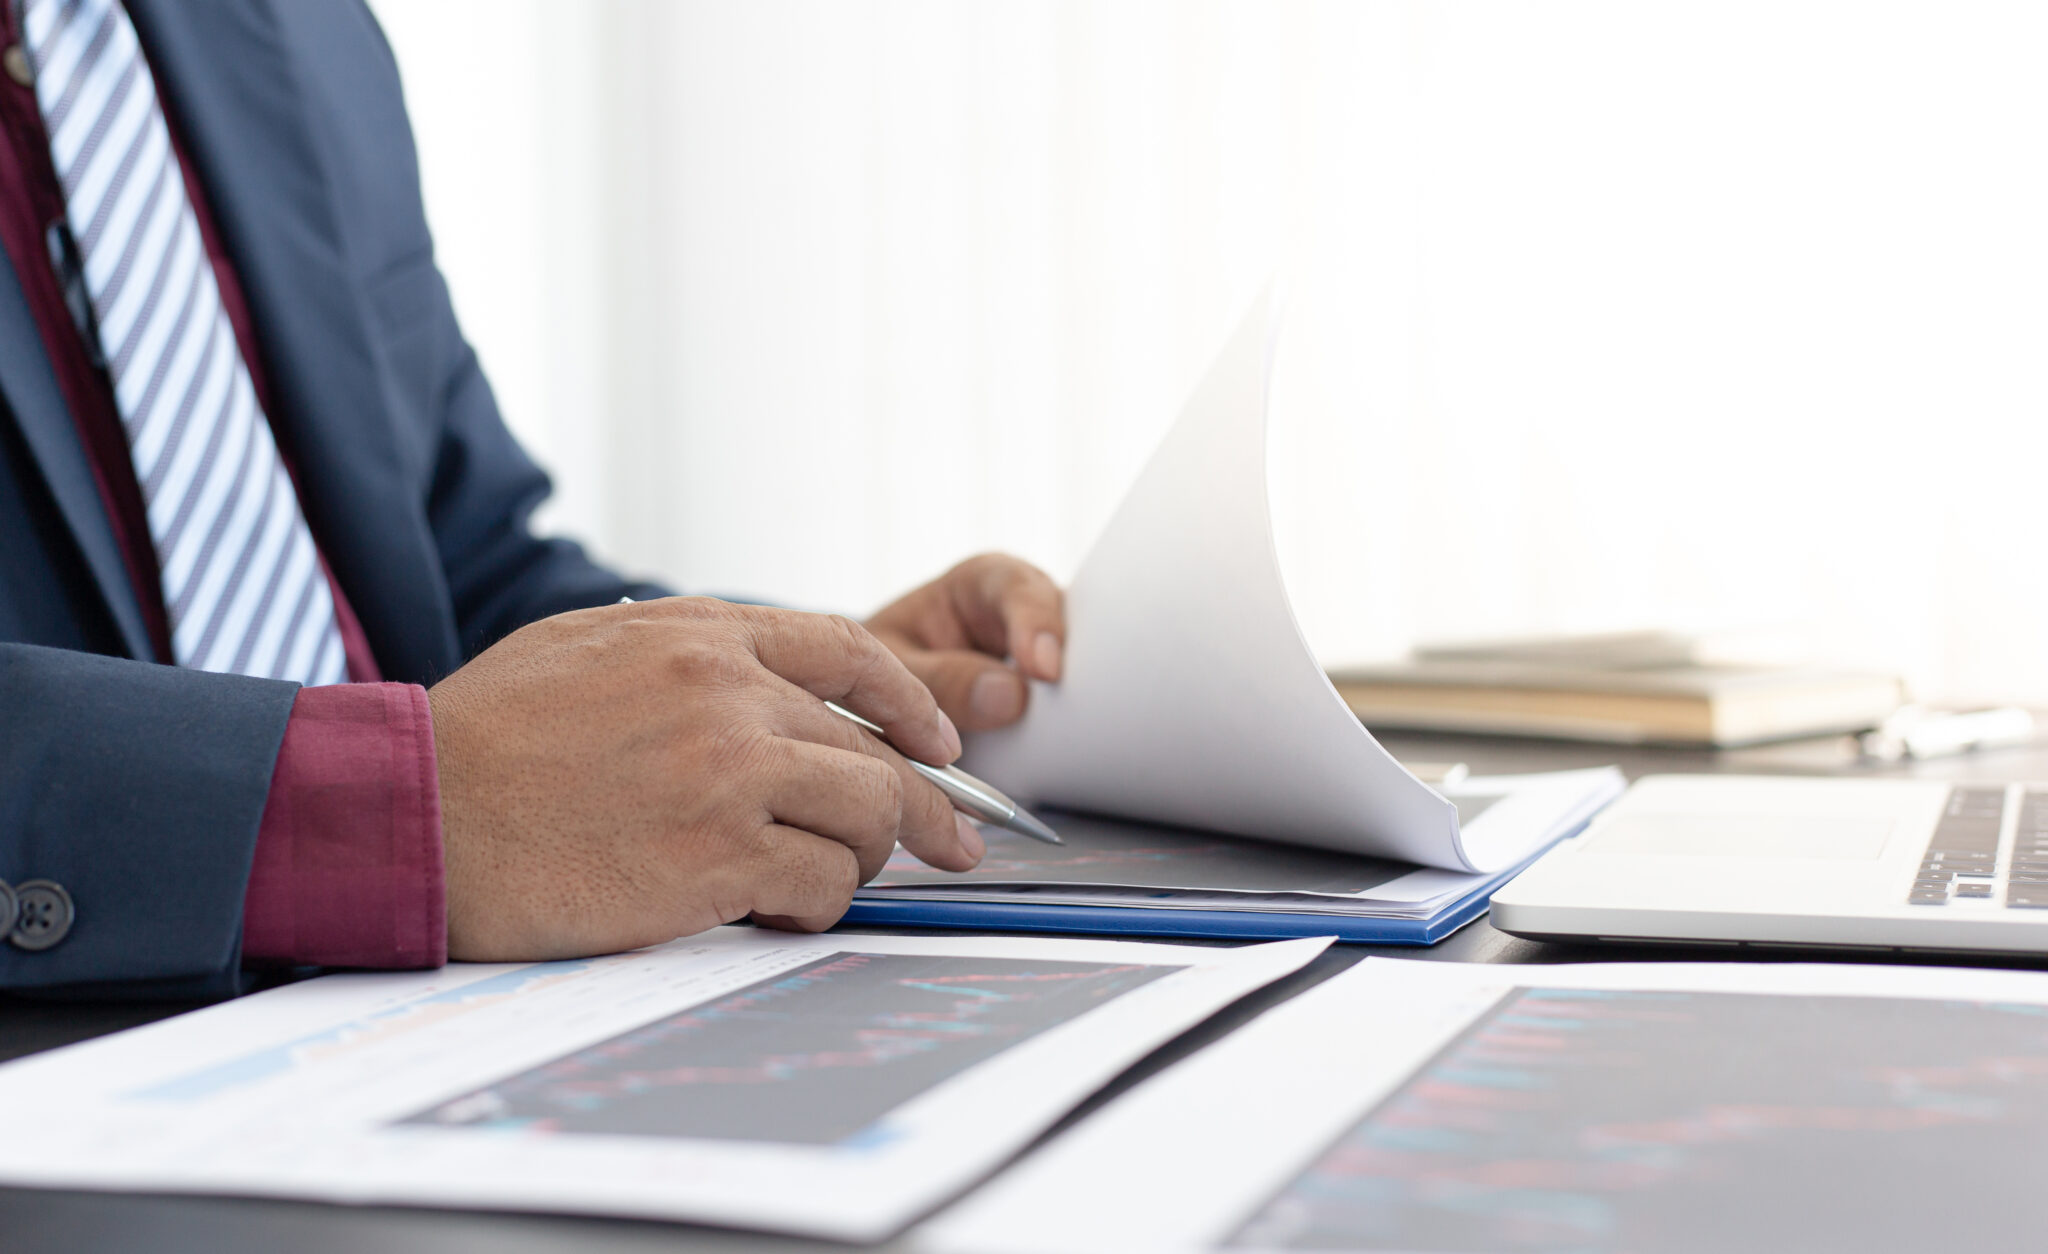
[1112, 864]
[1192, 706]
[1208, 779]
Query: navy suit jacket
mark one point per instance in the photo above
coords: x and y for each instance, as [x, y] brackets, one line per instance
[138, 786]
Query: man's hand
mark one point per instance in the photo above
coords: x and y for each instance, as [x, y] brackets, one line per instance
[957, 631]
[622, 776]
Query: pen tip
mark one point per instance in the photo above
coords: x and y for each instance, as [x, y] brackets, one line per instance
[1029, 826]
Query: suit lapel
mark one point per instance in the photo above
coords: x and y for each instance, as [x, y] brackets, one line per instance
[229, 82]
[52, 439]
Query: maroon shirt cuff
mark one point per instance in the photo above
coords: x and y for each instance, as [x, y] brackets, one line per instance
[348, 859]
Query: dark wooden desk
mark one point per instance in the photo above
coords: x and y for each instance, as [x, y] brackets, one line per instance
[41, 1220]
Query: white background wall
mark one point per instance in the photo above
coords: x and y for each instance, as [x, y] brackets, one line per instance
[1605, 314]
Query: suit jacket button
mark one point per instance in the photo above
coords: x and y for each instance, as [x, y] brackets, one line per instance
[8, 911]
[44, 914]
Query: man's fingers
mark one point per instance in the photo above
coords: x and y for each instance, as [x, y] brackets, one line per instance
[847, 793]
[978, 691]
[801, 882]
[853, 798]
[833, 657]
[1013, 609]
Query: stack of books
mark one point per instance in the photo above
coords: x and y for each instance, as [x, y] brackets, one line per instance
[1633, 688]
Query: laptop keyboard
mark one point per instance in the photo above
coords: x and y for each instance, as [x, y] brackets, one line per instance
[1962, 859]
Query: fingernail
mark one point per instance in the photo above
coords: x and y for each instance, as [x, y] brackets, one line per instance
[997, 698]
[970, 836]
[1045, 653]
[950, 733]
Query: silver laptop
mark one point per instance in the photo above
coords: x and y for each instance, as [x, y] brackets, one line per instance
[1834, 863]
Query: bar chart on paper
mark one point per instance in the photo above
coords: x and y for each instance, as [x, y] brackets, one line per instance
[839, 1042]
[693, 1081]
[1584, 1121]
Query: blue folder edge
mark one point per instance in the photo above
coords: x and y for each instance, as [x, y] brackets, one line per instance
[878, 909]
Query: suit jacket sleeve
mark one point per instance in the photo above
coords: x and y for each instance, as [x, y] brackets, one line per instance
[484, 488]
[139, 788]
[500, 575]
[477, 485]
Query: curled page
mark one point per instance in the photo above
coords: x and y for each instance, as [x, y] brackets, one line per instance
[1189, 694]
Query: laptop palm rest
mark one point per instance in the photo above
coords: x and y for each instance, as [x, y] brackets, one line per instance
[1755, 835]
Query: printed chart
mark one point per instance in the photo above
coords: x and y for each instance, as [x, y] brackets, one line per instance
[822, 1085]
[1587, 1121]
[814, 1056]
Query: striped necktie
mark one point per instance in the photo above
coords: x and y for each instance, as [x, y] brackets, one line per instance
[242, 580]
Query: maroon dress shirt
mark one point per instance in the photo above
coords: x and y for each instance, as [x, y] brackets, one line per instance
[348, 867]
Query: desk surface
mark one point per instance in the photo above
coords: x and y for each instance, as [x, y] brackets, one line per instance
[46, 1220]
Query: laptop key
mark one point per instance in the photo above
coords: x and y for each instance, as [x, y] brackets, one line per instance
[1962, 852]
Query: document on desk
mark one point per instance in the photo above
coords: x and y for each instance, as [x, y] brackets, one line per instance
[1151, 866]
[1189, 695]
[1585, 1109]
[835, 1086]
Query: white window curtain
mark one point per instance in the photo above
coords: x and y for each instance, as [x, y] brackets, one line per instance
[1605, 314]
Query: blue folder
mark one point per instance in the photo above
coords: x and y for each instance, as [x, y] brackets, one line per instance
[880, 908]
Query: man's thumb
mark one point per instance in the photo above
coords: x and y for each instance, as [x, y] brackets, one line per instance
[976, 690]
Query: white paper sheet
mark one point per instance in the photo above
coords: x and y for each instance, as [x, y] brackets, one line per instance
[830, 1085]
[1189, 694]
[1202, 1156]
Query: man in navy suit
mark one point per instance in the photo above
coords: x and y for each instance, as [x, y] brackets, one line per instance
[285, 677]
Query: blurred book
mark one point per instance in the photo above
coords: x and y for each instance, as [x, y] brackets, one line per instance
[1625, 688]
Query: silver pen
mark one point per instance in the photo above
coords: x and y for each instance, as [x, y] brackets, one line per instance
[976, 798]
